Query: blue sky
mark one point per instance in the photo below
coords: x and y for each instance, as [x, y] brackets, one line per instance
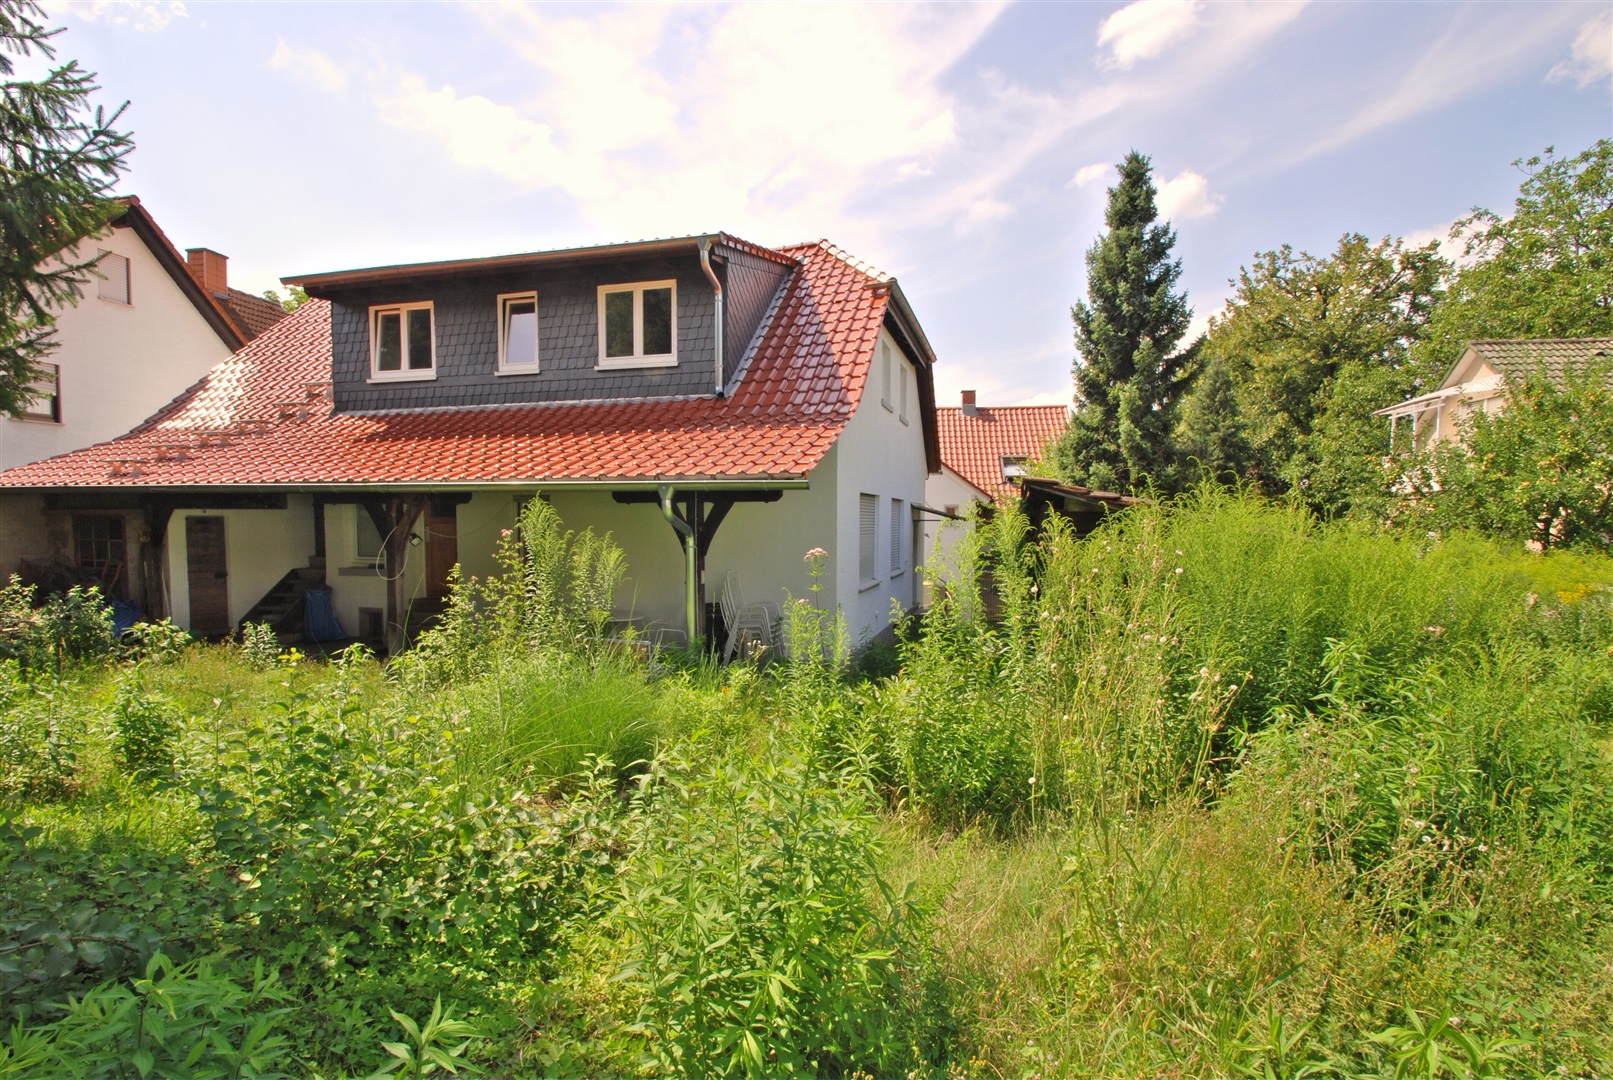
[964, 148]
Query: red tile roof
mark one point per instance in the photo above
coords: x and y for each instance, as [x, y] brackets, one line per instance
[243, 423]
[253, 314]
[974, 446]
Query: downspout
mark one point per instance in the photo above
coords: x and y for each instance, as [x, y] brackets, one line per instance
[689, 554]
[716, 288]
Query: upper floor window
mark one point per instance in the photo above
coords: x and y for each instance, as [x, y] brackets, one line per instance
[903, 368]
[637, 327]
[114, 271]
[47, 395]
[885, 375]
[518, 333]
[402, 344]
[867, 538]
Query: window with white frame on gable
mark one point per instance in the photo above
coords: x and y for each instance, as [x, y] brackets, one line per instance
[867, 538]
[402, 342]
[903, 395]
[46, 392]
[638, 325]
[896, 536]
[114, 277]
[885, 374]
[518, 333]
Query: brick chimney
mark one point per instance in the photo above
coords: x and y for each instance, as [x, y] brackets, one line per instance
[969, 403]
[210, 269]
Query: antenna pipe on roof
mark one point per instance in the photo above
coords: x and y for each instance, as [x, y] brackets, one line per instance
[716, 288]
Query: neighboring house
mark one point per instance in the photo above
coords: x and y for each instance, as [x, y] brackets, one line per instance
[1480, 380]
[149, 324]
[983, 452]
[699, 397]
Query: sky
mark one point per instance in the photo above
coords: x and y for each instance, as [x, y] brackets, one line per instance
[964, 148]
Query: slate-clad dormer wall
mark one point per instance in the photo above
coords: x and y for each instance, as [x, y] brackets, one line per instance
[466, 325]
[749, 284]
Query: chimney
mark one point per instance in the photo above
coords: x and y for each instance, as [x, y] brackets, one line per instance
[969, 403]
[210, 269]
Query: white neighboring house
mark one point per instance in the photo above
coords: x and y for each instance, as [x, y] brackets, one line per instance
[1479, 382]
[983, 451]
[147, 328]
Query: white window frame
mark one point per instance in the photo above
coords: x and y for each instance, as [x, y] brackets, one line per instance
[47, 407]
[885, 369]
[638, 359]
[368, 562]
[902, 401]
[103, 263]
[867, 540]
[504, 366]
[404, 373]
[897, 566]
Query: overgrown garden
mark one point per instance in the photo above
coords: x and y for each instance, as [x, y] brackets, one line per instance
[1224, 791]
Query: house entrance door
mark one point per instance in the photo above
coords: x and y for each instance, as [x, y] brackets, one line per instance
[442, 551]
[208, 574]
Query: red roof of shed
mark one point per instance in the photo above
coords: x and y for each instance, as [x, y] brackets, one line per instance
[263, 417]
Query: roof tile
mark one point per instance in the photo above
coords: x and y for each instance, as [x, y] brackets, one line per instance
[974, 446]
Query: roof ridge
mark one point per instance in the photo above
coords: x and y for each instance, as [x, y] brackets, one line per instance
[1537, 341]
[862, 266]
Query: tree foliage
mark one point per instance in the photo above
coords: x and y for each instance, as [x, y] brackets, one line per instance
[1539, 471]
[1313, 345]
[1544, 271]
[60, 161]
[1214, 439]
[1130, 376]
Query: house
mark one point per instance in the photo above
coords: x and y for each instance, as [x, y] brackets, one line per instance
[150, 325]
[984, 451]
[1479, 382]
[702, 399]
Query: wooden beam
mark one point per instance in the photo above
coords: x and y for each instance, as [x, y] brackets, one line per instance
[117, 500]
[628, 498]
[400, 513]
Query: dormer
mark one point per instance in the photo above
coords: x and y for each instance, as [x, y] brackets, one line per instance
[651, 320]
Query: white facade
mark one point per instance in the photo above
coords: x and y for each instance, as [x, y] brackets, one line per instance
[120, 362]
[948, 491]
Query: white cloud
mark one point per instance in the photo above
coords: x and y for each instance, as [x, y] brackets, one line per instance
[1591, 60]
[1049, 397]
[136, 14]
[1086, 174]
[1474, 54]
[1439, 234]
[1187, 196]
[309, 67]
[1145, 28]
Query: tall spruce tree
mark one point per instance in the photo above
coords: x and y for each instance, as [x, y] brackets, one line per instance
[1129, 376]
[1214, 440]
[58, 162]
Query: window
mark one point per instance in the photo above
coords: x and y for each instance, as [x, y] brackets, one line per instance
[637, 327]
[904, 392]
[518, 333]
[867, 538]
[98, 542]
[896, 537]
[114, 271]
[402, 342]
[1014, 466]
[47, 405]
[366, 538]
[885, 374]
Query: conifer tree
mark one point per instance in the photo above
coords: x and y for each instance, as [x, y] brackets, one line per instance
[1129, 376]
[1214, 440]
[58, 162]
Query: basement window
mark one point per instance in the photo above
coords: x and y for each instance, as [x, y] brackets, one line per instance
[638, 325]
[402, 342]
[518, 334]
[114, 275]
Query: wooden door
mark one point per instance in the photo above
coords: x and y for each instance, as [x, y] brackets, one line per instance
[208, 573]
[442, 551]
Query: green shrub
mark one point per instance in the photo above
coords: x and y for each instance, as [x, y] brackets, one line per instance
[146, 727]
[158, 642]
[761, 935]
[39, 740]
[75, 625]
[260, 646]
